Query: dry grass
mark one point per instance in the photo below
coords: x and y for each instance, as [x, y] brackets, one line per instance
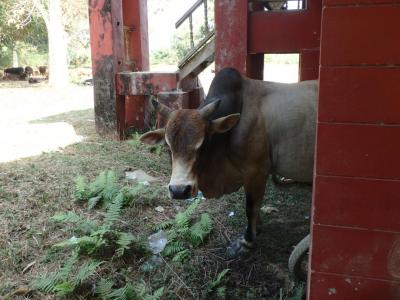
[34, 189]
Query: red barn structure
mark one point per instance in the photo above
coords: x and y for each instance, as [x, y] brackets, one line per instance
[355, 251]
[353, 47]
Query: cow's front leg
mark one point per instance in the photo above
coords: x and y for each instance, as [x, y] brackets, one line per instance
[254, 196]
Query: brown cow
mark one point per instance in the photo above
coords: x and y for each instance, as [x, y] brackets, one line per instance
[43, 70]
[245, 130]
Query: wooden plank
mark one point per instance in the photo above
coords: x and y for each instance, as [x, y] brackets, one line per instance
[255, 66]
[145, 83]
[343, 287]
[309, 58]
[198, 62]
[357, 2]
[358, 150]
[308, 73]
[309, 64]
[347, 251]
[282, 32]
[362, 35]
[134, 112]
[285, 31]
[354, 202]
[363, 95]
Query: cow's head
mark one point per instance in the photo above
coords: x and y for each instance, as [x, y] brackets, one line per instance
[185, 133]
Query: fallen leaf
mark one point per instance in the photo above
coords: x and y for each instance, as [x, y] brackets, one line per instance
[21, 291]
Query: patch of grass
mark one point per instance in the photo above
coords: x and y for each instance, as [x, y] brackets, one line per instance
[37, 188]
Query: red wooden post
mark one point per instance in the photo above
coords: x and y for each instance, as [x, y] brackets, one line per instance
[309, 64]
[136, 35]
[119, 42]
[107, 56]
[136, 59]
[255, 61]
[231, 34]
[355, 224]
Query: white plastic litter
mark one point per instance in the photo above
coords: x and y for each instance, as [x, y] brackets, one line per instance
[269, 209]
[157, 242]
[231, 214]
[198, 196]
[159, 209]
[140, 176]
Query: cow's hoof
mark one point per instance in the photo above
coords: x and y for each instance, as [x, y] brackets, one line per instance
[239, 247]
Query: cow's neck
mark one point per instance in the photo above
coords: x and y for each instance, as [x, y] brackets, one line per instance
[217, 173]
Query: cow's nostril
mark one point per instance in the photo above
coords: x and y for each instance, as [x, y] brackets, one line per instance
[187, 191]
[180, 191]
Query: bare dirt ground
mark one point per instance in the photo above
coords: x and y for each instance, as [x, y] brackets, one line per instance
[34, 188]
[21, 104]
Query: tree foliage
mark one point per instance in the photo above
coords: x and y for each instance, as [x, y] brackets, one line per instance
[19, 35]
[24, 26]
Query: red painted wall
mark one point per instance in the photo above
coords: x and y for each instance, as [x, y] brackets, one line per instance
[356, 203]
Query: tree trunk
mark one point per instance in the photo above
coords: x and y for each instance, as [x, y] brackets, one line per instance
[14, 58]
[58, 61]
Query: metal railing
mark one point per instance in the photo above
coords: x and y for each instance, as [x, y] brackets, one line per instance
[189, 15]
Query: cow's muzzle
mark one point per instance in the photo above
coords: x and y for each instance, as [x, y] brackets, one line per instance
[180, 191]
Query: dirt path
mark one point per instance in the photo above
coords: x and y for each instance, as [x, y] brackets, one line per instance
[21, 104]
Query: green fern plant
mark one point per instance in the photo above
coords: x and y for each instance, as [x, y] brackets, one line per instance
[82, 191]
[81, 224]
[163, 225]
[127, 241]
[135, 141]
[184, 234]
[215, 284]
[155, 296]
[104, 236]
[114, 210]
[100, 191]
[62, 282]
[200, 230]
[104, 288]
[128, 292]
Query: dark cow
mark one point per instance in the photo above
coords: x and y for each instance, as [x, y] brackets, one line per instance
[28, 71]
[245, 130]
[19, 71]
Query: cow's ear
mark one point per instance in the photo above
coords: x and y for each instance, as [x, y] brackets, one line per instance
[153, 137]
[224, 124]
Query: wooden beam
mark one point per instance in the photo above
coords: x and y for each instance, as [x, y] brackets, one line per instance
[286, 31]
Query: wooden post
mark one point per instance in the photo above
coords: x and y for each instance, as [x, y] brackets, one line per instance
[231, 34]
[106, 34]
[136, 59]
